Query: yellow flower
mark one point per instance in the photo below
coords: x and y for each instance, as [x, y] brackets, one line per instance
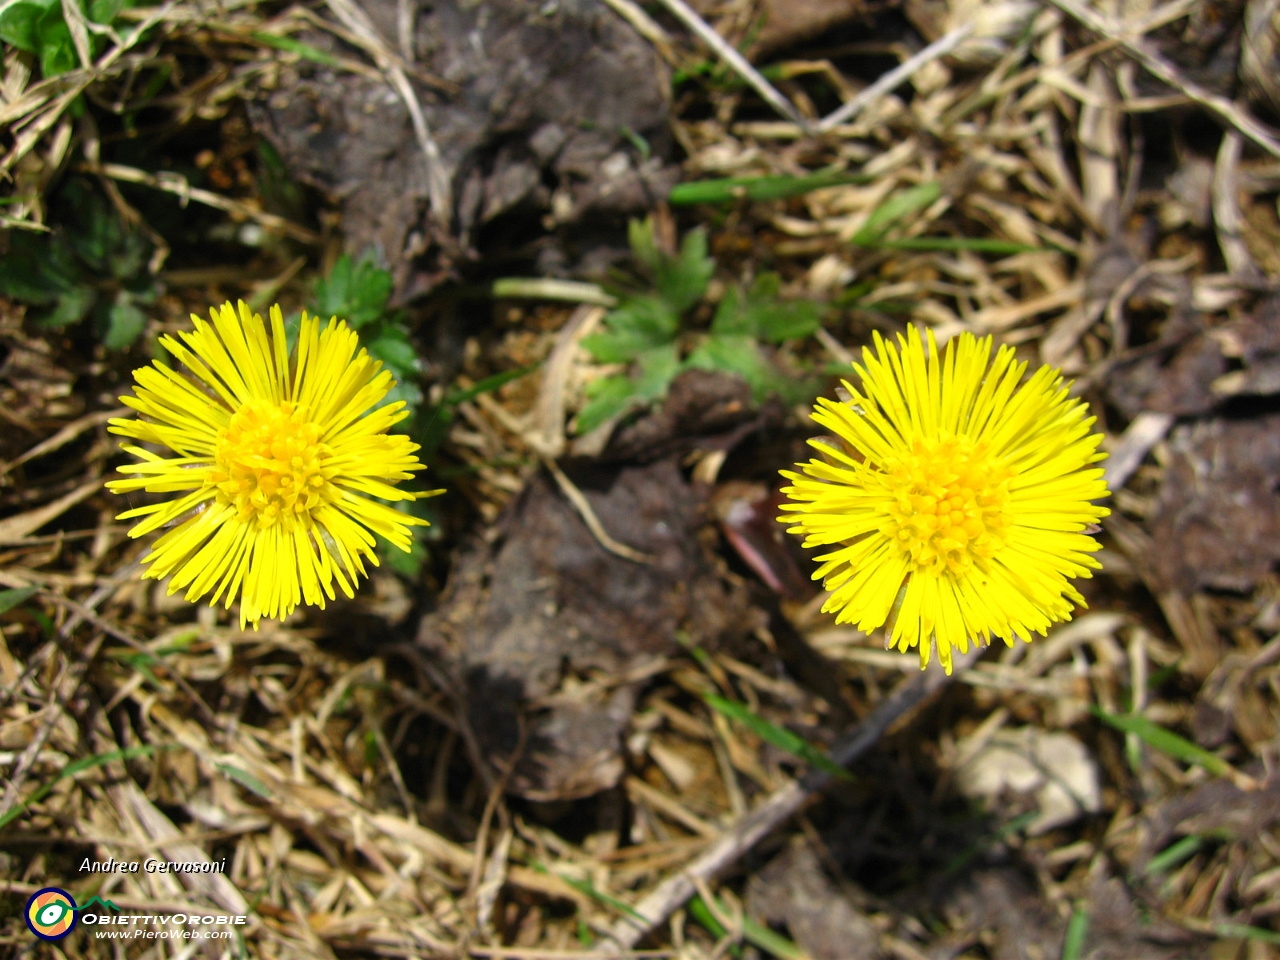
[276, 459]
[959, 504]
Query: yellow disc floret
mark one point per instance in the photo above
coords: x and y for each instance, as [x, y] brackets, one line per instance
[949, 504]
[270, 464]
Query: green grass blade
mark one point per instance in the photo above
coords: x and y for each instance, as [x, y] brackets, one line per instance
[245, 779]
[12, 598]
[1077, 927]
[894, 209]
[757, 188]
[1164, 740]
[780, 737]
[1245, 932]
[756, 934]
[74, 767]
[1174, 854]
[290, 45]
[946, 244]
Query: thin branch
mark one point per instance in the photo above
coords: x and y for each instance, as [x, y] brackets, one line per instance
[673, 892]
[738, 62]
[895, 78]
[1161, 70]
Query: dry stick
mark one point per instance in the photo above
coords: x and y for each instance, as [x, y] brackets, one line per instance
[583, 506]
[1226, 209]
[739, 63]
[177, 184]
[673, 892]
[1158, 68]
[70, 683]
[439, 190]
[895, 78]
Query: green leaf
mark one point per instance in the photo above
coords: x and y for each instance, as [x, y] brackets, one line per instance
[57, 51]
[683, 280]
[731, 317]
[658, 367]
[780, 737]
[19, 25]
[126, 323]
[393, 347]
[104, 11]
[733, 353]
[753, 932]
[894, 209]
[72, 307]
[787, 320]
[607, 398]
[12, 598]
[355, 292]
[638, 325]
[1164, 740]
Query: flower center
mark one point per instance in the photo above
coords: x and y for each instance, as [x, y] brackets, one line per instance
[949, 506]
[269, 463]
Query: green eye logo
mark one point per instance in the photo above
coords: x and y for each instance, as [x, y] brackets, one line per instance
[51, 913]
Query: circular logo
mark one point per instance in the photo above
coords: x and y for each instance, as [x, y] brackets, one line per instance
[51, 913]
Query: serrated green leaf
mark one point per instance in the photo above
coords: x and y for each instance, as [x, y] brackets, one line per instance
[393, 347]
[733, 353]
[71, 307]
[15, 597]
[731, 317]
[786, 319]
[608, 397]
[780, 737]
[682, 281]
[657, 368]
[894, 209]
[638, 325]
[354, 291]
[125, 324]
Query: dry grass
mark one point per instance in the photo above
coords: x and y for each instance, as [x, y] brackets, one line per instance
[343, 790]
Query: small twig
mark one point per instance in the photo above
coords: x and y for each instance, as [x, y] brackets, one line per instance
[741, 836]
[1144, 432]
[646, 26]
[895, 78]
[1161, 70]
[738, 62]
[583, 506]
[439, 190]
[1226, 208]
[178, 185]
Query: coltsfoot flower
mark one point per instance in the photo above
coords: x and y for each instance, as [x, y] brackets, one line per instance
[277, 458]
[959, 504]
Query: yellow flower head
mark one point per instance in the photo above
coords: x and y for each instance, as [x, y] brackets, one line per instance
[276, 459]
[955, 499]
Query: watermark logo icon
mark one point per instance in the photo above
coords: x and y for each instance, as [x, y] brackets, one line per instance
[51, 913]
